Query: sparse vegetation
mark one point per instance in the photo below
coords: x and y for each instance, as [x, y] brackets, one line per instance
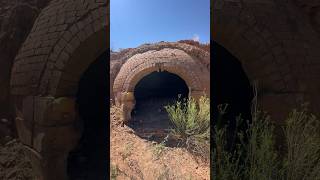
[164, 175]
[127, 151]
[191, 120]
[149, 159]
[158, 150]
[302, 133]
[259, 158]
[114, 172]
[117, 115]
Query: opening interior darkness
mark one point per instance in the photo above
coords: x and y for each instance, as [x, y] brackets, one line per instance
[230, 85]
[89, 160]
[153, 92]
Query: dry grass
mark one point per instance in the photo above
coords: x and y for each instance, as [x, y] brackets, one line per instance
[259, 159]
[114, 170]
[302, 133]
[159, 149]
[127, 151]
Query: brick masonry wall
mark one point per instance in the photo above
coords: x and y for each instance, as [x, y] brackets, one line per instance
[67, 36]
[278, 47]
[188, 61]
[277, 42]
[16, 20]
[57, 33]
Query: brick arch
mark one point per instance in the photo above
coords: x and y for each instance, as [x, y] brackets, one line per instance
[61, 29]
[201, 55]
[261, 54]
[135, 77]
[172, 60]
[263, 57]
[67, 70]
[119, 58]
[66, 38]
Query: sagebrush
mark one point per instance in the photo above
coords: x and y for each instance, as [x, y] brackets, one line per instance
[191, 121]
[260, 159]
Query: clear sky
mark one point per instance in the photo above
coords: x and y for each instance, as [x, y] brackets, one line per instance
[135, 22]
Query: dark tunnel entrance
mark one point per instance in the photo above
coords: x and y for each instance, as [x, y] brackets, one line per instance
[230, 85]
[89, 159]
[152, 93]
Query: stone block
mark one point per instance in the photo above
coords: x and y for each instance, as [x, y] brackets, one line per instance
[24, 131]
[53, 112]
[56, 139]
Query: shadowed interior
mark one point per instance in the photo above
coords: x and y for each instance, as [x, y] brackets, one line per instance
[230, 86]
[89, 159]
[152, 93]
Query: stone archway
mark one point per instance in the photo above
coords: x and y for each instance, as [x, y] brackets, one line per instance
[201, 57]
[173, 60]
[60, 47]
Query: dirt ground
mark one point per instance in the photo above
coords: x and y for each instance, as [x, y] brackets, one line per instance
[132, 157]
[135, 158]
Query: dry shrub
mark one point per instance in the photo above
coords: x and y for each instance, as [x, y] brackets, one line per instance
[302, 133]
[191, 121]
[259, 159]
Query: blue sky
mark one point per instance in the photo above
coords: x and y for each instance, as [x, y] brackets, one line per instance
[135, 22]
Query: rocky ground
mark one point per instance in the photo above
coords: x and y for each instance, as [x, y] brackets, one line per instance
[14, 165]
[136, 158]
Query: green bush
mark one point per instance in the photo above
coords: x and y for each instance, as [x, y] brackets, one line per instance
[191, 121]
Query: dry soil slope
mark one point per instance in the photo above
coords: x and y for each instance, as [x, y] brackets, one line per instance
[136, 158]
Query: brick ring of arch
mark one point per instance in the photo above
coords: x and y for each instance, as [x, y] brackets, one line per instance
[261, 63]
[62, 46]
[170, 60]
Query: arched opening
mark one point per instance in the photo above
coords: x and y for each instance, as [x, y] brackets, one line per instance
[89, 159]
[230, 85]
[152, 93]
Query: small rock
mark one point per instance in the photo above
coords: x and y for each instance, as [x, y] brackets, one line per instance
[129, 130]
